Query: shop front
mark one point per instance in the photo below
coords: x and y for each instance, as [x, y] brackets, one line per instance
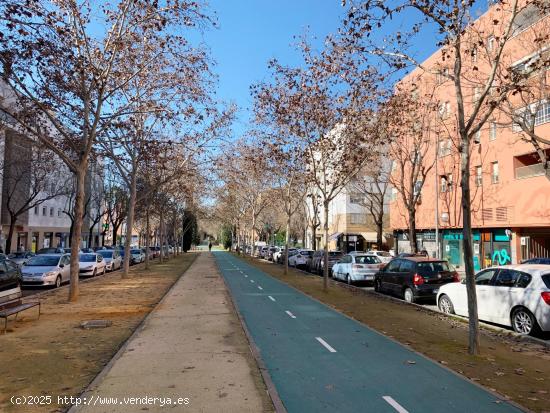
[496, 247]
[453, 248]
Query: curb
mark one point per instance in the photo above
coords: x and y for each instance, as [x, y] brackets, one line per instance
[271, 389]
[448, 369]
[97, 379]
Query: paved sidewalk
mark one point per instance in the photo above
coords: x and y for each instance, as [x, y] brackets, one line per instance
[191, 346]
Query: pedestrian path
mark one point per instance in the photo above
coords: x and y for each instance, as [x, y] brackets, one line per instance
[192, 346]
[322, 361]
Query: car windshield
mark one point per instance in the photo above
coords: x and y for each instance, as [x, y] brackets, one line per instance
[41, 260]
[433, 267]
[87, 258]
[367, 259]
[307, 253]
[135, 252]
[106, 254]
[335, 254]
[383, 253]
[546, 279]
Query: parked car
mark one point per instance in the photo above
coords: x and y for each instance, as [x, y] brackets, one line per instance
[136, 256]
[384, 256]
[271, 252]
[301, 258]
[10, 275]
[357, 267]
[21, 257]
[277, 254]
[318, 261]
[414, 277]
[541, 260]
[113, 259]
[282, 256]
[46, 269]
[51, 251]
[263, 251]
[516, 296]
[91, 264]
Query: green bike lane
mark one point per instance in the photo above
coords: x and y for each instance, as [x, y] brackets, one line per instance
[322, 361]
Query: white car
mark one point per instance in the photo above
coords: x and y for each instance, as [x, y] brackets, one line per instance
[355, 267]
[91, 264]
[517, 296]
[384, 256]
[301, 259]
[113, 259]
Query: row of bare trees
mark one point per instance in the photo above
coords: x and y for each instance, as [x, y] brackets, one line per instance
[366, 112]
[133, 88]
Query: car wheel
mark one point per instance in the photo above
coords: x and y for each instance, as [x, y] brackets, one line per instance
[377, 286]
[58, 281]
[446, 305]
[408, 295]
[348, 279]
[95, 272]
[523, 322]
[104, 270]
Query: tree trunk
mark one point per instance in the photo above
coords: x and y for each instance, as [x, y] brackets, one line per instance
[147, 237]
[13, 221]
[325, 267]
[473, 323]
[379, 231]
[287, 242]
[130, 222]
[253, 249]
[77, 229]
[314, 237]
[161, 223]
[115, 232]
[412, 230]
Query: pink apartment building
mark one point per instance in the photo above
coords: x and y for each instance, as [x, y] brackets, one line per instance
[510, 190]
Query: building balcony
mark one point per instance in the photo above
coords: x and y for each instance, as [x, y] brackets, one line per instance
[524, 172]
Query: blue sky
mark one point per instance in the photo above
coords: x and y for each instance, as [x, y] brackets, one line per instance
[253, 31]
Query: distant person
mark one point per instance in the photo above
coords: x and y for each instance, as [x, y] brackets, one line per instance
[210, 246]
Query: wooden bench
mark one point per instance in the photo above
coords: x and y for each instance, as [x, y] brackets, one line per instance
[11, 303]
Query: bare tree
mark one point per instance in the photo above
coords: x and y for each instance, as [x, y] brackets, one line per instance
[472, 62]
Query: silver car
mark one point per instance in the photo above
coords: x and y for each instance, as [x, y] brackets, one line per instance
[46, 269]
[113, 259]
[21, 258]
[91, 264]
[136, 256]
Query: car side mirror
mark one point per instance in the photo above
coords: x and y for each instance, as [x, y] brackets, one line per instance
[61, 265]
[463, 281]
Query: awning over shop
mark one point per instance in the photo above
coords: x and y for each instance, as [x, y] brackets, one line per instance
[369, 236]
[334, 236]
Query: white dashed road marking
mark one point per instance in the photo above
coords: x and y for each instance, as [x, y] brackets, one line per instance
[271, 298]
[260, 288]
[394, 404]
[290, 314]
[325, 344]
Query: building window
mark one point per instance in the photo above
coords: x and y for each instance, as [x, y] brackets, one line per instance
[445, 147]
[58, 212]
[443, 180]
[479, 176]
[393, 194]
[477, 137]
[44, 211]
[494, 172]
[35, 210]
[417, 187]
[51, 211]
[527, 17]
[493, 131]
[52, 188]
[444, 110]
[474, 54]
[477, 93]
[491, 43]
[358, 219]
[355, 198]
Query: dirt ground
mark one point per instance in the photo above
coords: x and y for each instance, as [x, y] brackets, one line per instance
[518, 370]
[54, 357]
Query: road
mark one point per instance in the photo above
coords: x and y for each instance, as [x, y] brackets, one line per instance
[321, 361]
